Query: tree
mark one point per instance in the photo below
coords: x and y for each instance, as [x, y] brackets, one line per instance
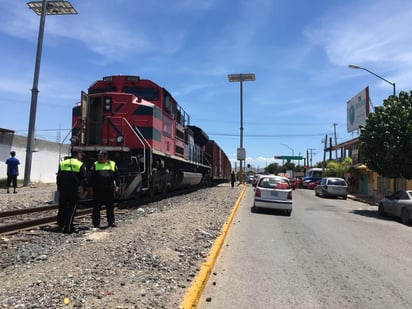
[386, 138]
[338, 169]
[288, 166]
[273, 168]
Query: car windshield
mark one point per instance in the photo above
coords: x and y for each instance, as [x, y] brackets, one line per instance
[274, 183]
[337, 182]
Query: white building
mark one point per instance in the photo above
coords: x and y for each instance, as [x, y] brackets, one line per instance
[45, 159]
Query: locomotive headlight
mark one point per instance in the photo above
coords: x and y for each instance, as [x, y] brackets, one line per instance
[120, 139]
[107, 104]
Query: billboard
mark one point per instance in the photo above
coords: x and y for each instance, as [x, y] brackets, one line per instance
[357, 108]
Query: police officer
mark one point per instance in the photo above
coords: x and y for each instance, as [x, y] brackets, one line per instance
[71, 175]
[104, 180]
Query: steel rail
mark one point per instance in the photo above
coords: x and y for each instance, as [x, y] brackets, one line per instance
[24, 211]
[13, 228]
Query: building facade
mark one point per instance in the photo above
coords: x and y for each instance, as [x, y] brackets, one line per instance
[364, 180]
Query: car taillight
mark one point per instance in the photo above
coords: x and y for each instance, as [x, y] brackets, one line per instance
[290, 195]
[257, 192]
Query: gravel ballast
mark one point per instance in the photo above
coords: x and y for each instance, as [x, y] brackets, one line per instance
[148, 261]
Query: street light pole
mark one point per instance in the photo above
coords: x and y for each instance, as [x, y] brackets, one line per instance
[352, 66]
[293, 151]
[41, 8]
[241, 154]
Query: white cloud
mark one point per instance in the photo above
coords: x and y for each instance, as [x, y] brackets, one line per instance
[367, 33]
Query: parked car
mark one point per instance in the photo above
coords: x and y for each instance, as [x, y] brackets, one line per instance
[332, 186]
[273, 192]
[398, 204]
[312, 184]
[311, 181]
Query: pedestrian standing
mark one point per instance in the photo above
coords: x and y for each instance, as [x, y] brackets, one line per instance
[72, 175]
[232, 179]
[12, 171]
[104, 180]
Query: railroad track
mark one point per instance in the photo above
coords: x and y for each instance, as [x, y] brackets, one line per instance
[14, 221]
[18, 220]
[25, 211]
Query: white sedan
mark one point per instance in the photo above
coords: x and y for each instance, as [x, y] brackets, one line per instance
[398, 204]
[273, 192]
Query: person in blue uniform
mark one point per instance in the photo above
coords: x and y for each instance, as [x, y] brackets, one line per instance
[12, 171]
[104, 180]
[71, 175]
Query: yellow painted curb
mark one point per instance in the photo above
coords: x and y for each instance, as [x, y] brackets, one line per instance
[192, 296]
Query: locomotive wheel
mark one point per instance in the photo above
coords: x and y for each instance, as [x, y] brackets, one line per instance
[173, 183]
[163, 187]
[152, 190]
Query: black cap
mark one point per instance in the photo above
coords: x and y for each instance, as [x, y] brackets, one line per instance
[103, 152]
[77, 152]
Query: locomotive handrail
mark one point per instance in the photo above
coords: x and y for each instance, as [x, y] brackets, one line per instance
[141, 138]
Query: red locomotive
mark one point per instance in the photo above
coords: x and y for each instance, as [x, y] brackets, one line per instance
[147, 134]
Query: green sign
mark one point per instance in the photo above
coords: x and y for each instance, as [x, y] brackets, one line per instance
[289, 157]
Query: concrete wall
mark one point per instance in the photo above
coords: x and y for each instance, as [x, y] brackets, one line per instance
[45, 159]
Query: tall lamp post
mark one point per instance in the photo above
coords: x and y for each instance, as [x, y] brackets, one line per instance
[41, 8]
[293, 151]
[352, 66]
[241, 153]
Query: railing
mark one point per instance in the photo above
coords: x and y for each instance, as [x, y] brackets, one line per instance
[140, 137]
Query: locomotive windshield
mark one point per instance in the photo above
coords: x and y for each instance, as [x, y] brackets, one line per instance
[147, 93]
[150, 94]
[102, 90]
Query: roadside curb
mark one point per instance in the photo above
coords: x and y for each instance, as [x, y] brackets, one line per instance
[192, 296]
[358, 199]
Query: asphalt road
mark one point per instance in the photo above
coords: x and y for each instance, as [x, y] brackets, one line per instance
[330, 253]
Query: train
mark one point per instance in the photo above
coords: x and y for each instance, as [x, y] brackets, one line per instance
[149, 136]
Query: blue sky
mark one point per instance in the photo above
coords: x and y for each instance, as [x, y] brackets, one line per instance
[299, 51]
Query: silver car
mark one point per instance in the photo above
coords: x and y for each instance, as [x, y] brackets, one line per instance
[332, 186]
[273, 192]
[398, 204]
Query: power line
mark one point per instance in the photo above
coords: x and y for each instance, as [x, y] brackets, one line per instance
[260, 123]
[268, 135]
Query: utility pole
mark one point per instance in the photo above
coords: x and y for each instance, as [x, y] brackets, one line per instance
[311, 154]
[325, 149]
[336, 140]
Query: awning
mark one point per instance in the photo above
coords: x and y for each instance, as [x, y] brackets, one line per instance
[361, 166]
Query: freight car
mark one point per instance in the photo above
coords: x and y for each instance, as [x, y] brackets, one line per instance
[149, 136]
[216, 158]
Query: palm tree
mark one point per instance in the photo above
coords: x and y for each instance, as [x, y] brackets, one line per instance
[338, 169]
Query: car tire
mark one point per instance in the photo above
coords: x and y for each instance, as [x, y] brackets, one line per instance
[254, 209]
[405, 216]
[316, 193]
[345, 197]
[381, 210]
[289, 212]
